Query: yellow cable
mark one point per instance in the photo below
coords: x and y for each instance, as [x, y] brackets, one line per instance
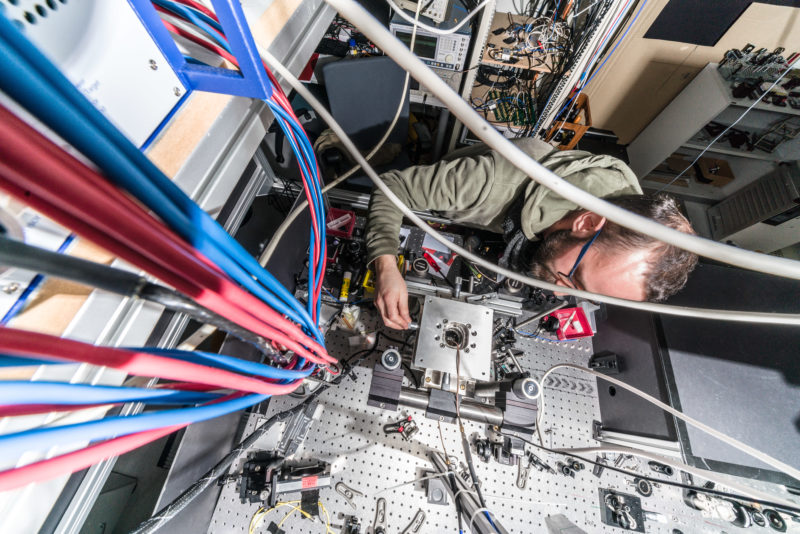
[258, 517]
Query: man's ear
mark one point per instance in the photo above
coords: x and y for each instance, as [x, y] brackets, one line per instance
[586, 224]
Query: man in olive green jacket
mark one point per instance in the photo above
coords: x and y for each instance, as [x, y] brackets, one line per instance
[477, 187]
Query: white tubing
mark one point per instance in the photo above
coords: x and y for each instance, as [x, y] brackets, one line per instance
[753, 493]
[700, 313]
[747, 449]
[381, 37]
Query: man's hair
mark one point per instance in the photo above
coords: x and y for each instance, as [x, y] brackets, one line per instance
[669, 265]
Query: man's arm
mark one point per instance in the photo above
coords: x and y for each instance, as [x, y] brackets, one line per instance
[453, 185]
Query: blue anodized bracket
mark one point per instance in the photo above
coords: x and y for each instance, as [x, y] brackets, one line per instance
[251, 81]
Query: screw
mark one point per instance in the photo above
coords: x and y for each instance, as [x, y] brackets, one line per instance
[438, 325]
[177, 91]
[474, 333]
[264, 495]
[437, 338]
[466, 350]
[427, 379]
[473, 345]
[469, 325]
[444, 321]
[257, 468]
[153, 64]
[463, 387]
[381, 405]
[11, 288]
[441, 345]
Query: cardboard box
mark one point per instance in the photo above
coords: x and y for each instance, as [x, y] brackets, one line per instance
[715, 172]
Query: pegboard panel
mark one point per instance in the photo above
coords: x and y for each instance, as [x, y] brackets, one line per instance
[349, 435]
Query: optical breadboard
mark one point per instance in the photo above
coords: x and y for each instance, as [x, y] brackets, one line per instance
[105, 51]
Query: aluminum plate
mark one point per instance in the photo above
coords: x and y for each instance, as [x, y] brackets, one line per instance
[433, 349]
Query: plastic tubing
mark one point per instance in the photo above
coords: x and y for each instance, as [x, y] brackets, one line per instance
[306, 161]
[26, 392]
[236, 365]
[43, 438]
[471, 119]
[47, 94]
[757, 317]
[155, 248]
[80, 459]
[21, 342]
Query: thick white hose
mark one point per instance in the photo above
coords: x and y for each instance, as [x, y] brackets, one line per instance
[747, 449]
[753, 493]
[701, 313]
[279, 233]
[461, 109]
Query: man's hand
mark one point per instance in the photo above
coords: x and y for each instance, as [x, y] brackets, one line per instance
[391, 295]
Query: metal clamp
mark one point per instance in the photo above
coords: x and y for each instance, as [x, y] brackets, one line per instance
[523, 470]
[379, 525]
[416, 524]
[348, 493]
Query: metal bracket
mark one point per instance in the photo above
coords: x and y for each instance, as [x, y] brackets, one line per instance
[379, 525]
[348, 493]
[416, 524]
[250, 80]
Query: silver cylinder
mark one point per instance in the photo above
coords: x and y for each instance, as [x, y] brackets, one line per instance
[471, 410]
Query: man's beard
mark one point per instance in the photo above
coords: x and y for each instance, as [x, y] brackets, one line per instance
[548, 249]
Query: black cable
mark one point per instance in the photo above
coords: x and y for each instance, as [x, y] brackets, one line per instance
[23, 256]
[700, 489]
[411, 374]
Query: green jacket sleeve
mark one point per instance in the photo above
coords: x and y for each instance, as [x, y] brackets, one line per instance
[453, 185]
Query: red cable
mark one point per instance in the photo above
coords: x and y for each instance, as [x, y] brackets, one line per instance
[80, 459]
[280, 98]
[27, 343]
[83, 458]
[143, 229]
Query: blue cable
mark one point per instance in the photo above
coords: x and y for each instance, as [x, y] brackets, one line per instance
[199, 19]
[67, 112]
[33, 285]
[7, 360]
[229, 363]
[25, 392]
[37, 439]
